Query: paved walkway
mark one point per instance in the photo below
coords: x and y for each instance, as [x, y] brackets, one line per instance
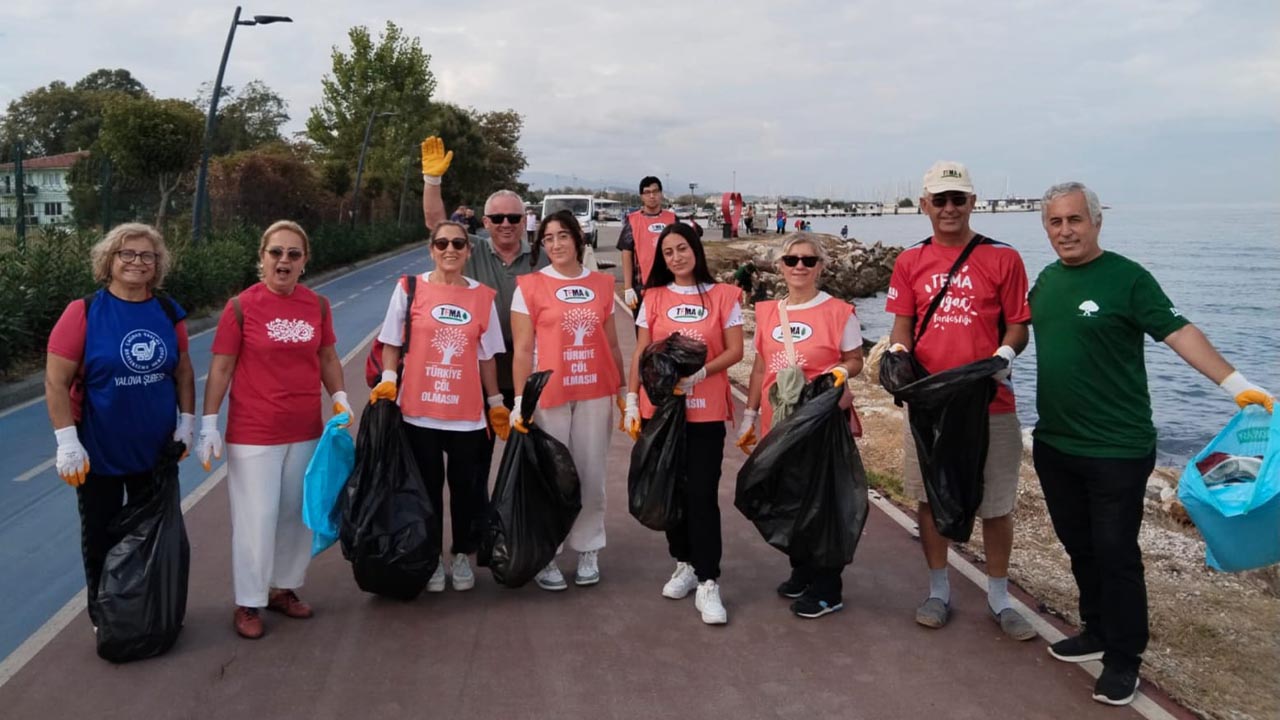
[616, 650]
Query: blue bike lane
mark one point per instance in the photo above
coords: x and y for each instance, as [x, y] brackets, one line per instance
[40, 567]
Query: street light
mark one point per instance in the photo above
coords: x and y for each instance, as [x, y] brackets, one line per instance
[197, 210]
[693, 199]
[368, 127]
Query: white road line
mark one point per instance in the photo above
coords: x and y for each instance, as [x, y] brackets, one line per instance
[366, 288]
[69, 612]
[1141, 702]
[352, 296]
[34, 471]
[337, 305]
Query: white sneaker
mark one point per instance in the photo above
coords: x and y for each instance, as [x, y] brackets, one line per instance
[682, 582]
[549, 578]
[707, 601]
[588, 569]
[463, 578]
[436, 583]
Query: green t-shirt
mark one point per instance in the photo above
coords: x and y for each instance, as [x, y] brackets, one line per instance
[1091, 387]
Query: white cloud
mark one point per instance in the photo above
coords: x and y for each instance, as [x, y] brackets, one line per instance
[858, 96]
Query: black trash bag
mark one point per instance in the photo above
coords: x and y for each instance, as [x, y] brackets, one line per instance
[898, 370]
[387, 530]
[656, 479]
[948, 413]
[804, 487]
[142, 593]
[535, 499]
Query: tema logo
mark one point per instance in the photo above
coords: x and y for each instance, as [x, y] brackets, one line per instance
[657, 228]
[575, 294]
[450, 315]
[687, 313]
[799, 332]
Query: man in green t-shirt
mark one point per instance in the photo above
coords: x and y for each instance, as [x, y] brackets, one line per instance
[1094, 441]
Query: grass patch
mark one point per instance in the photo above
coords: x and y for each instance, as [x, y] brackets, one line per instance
[887, 485]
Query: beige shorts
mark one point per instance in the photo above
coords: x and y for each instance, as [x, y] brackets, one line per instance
[1000, 475]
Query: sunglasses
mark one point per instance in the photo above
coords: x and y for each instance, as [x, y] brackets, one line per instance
[958, 199]
[513, 218]
[444, 243]
[793, 260]
[128, 256]
[279, 252]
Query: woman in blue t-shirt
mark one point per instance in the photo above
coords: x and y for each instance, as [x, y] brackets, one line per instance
[124, 349]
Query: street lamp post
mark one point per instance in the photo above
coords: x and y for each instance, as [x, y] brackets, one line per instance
[693, 199]
[197, 210]
[364, 147]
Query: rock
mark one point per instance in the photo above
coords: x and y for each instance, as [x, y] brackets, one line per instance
[855, 270]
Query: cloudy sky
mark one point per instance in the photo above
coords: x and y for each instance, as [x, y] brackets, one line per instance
[1146, 100]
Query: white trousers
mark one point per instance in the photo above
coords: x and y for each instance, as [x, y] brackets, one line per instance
[585, 427]
[270, 545]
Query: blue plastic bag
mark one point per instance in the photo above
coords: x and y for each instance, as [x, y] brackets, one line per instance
[1240, 521]
[326, 475]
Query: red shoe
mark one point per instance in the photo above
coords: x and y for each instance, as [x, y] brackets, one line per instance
[248, 623]
[287, 602]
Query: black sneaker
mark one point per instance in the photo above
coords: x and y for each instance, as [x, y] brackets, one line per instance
[811, 607]
[791, 588]
[1116, 686]
[1081, 648]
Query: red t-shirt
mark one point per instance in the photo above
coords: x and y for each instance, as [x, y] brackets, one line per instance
[991, 285]
[67, 337]
[275, 390]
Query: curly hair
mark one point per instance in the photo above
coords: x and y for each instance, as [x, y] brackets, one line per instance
[104, 251]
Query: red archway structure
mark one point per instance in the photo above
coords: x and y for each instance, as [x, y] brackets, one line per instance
[731, 211]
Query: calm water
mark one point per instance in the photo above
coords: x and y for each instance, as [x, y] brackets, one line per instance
[1219, 264]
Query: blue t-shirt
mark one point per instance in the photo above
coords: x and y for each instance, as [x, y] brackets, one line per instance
[131, 398]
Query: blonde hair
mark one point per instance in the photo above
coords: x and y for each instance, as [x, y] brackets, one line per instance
[806, 238]
[104, 251]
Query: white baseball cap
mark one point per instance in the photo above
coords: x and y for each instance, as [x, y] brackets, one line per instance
[946, 175]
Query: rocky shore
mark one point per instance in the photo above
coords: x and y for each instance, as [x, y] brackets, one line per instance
[855, 270]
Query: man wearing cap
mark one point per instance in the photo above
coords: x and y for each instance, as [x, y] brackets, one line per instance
[1095, 444]
[638, 240]
[983, 313]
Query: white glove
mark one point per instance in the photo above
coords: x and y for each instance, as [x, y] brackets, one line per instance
[210, 441]
[631, 416]
[1008, 354]
[897, 347]
[630, 298]
[1246, 393]
[72, 460]
[686, 383]
[185, 431]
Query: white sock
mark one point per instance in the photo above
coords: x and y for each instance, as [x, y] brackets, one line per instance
[998, 594]
[939, 585]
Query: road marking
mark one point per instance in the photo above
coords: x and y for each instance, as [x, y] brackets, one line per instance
[366, 288]
[69, 612]
[34, 471]
[353, 296]
[337, 305]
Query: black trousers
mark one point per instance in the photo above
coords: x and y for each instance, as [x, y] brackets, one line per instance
[99, 499]
[697, 540]
[1096, 508]
[823, 583]
[468, 476]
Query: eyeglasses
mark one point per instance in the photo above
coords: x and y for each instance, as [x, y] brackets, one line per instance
[958, 199]
[513, 218]
[793, 260]
[128, 256]
[443, 243]
[279, 252]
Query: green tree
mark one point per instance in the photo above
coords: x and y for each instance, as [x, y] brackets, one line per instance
[247, 118]
[906, 203]
[389, 74]
[58, 118]
[117, 80]
[153, 140]
[503, 157]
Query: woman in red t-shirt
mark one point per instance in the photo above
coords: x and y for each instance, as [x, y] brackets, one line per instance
[562, 320]
[681, 296]
[826, 338]
[274, 346]
[449, 377]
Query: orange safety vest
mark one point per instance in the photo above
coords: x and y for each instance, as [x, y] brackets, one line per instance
[568, 319]
[669, 312]
[442, 366]
[645, 230]
[816, 332]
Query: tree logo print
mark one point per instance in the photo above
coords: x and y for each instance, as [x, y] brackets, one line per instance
[450, 342]
[1088, 308]
[778, 361]
[290, 331]
[582, 322]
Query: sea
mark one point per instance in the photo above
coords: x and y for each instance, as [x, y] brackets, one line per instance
[1220, 264]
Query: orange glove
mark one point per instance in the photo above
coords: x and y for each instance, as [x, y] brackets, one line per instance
[385, 390]
[73, 461]
[1246, 393]
[840, 374]
[517, 417]
[499, 417]
[747, 431]
[631, 416]
[342, 405]
[435, 161]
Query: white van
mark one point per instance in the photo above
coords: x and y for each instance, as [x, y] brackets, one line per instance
[582, 206]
